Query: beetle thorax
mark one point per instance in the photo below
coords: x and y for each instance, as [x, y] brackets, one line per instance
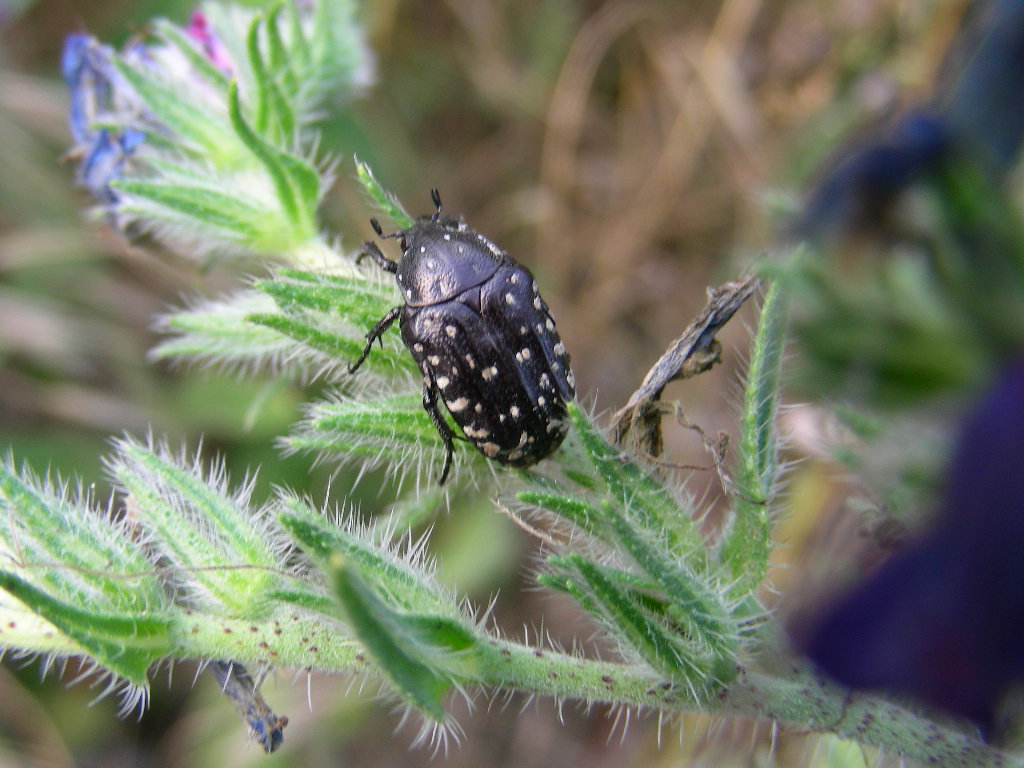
[442, 259]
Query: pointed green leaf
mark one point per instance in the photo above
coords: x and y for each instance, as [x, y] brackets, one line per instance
[305, 180]
[123, 643]
[631, 488]
[694, 604]
[416, 668]
[66, 547]
[578, 512]
[279, 55]
[384, 200]
[233, 219]
[222, 553]
[259, 72]
[394, 431]
[173, 35]
[296, 182]
[218, 330]
[647, 636]
[282, 118]
[337, 347]
[274, 117]
[746, 541]
[189, 118]
[405, 585]
[761, 396]
[301, 50]
[359, 301]
[332, 314]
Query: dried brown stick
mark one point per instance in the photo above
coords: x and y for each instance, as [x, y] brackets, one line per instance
[692, 353]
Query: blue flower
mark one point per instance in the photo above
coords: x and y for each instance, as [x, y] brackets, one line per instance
[861, 189]
[106, 115]
[943, 620]
[978, 114]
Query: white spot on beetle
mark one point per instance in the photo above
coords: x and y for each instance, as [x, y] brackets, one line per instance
[525, 353]
[514, 411]
[535, 288]
[510, 299]
[408, 293]
[447, 236]
[451, 330]
[443, 382]
[537, 303]
[545, 382]
[559, 349]
[478, 408]
[489, 373]
[489, 245]
[539, 328]
[501, 417]
[522, 439]
[462, 249]
[475, 432]
[431, 264]
[457, 405]
[540, 400]
[470, 362]
[490, 450]
[514, 279]
[417, 348]
[523, 330]
[434, 360]
[423, 249]
[550, 324]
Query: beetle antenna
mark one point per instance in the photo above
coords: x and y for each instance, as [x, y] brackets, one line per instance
[436, 197]
[380, 232]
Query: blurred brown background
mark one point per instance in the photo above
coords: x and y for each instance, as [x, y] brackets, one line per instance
[629, 153]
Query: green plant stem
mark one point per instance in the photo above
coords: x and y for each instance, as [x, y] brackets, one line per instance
[794, 697]
[797, 698]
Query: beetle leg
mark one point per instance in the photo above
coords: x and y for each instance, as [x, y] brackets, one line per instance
[374, 335]
[430, 393]
[375, 253]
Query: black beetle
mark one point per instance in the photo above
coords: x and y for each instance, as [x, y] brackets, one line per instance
[483, 338]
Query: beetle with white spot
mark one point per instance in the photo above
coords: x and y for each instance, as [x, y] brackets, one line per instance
[476, 325]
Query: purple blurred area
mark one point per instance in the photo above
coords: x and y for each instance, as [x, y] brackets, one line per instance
[943, 620]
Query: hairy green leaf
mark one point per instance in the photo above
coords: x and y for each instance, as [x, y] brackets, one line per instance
[746, 542]
[384, 200]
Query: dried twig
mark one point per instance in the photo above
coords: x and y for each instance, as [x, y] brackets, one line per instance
[238, 685]
[692, 353]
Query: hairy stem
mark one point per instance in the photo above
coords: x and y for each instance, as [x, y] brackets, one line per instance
[793, 696]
